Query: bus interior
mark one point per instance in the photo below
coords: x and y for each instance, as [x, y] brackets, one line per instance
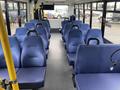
[59, 45]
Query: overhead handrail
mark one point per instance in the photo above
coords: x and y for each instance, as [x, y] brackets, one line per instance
[7, 53]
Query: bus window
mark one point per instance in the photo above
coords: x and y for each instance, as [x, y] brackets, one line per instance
[59, 11]
[3, 9]
[110, 6]
[81, 11]
[87, 14]
[23, 10]
[112, 33]
[118, 6]
[100, 6]
[57, 15]
[13, 16]
[76, 11]
[94, 6]
[96, 19]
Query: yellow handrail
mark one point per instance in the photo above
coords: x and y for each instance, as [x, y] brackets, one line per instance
[7, 52]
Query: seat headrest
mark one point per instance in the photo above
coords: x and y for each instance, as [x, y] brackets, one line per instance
[72, 18]
[94, 36]
[30, 25]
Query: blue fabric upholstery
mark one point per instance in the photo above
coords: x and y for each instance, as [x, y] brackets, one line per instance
[42, 32]
[29, 25]
[21, 34]
[64, 22]
[94, 33]
[74, 39]
[92, 68]
[4, 73]
[31, 78]
[71, 58]
[84, 28]
[96, 59]
[15, 48]
[72, 18]
[34, 21]
[33, 52]
[69, 27]
[63, 25]
[46, 25]
[96, 81]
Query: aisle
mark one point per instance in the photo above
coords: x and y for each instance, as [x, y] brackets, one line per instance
[59, 74]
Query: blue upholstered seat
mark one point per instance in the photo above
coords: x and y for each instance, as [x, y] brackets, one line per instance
[92, 68]
[15, 48]
[94, 34]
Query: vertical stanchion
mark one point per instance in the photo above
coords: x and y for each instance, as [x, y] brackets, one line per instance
[7, 53]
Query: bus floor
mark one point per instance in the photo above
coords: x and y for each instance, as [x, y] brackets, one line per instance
[59, 73]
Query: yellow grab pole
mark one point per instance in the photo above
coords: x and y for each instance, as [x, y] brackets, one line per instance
[7, 52]
[2, 89]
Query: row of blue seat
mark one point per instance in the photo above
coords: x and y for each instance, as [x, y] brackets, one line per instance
[29, 52]
[75, 33]
[95, 64]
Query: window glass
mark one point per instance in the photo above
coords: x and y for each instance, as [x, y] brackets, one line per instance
[81, 15]
[86, 6]
[81, 6]
[3, 10]
[87, 16]
[96, 19]
[118, 6]
[60, 11]
[89, 6]
[23, 16]
[94, 6]
[15, 6]
[112, 31]
[110, 6]
[76, 6]
[10, 5]
[77, 13]
[21, 6]
[2, 5]
[25, 6]
[100, 6]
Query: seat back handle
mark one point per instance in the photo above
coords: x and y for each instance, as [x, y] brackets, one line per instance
[98, 42]
[32, 31]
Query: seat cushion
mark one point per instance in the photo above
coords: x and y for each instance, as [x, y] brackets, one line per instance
[98, 81]
[33, 77]
[71, 58]
[4, 73]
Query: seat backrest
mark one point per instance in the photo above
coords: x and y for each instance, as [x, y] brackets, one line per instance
[30, 25]
[94, 33]
[96, 59]
[64, 22]
[72, 18]
[21, 34]
[46, 25]
[84, 28]
[69, 27]
[42, 32]
[74, 39]
[32, 52]
[15, 49]
[35, 21]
